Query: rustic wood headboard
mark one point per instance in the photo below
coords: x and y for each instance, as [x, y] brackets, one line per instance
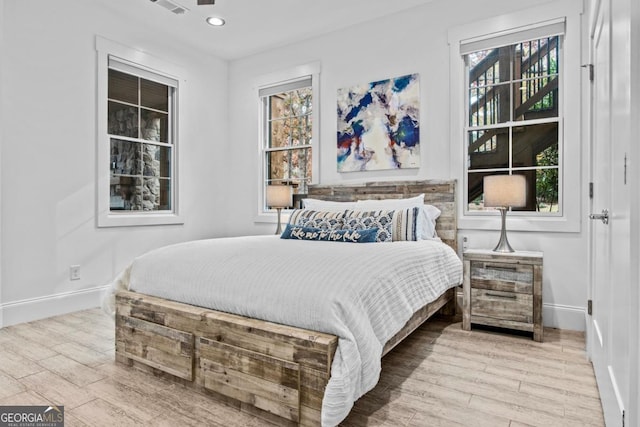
[439, 193]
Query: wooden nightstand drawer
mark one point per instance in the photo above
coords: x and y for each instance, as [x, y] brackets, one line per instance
[502, 277]
[503, 290]
[511, 306]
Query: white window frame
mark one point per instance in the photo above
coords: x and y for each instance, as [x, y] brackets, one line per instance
[570, 150]
[312, 70]
[145, 63]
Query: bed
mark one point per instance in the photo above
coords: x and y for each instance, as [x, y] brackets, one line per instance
[249, 356]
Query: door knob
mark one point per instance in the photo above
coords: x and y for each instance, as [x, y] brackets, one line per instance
[604, 216]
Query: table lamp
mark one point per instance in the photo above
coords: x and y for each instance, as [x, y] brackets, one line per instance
[504, 192]
[278, 197]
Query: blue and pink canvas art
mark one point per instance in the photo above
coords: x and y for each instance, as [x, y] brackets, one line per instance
[379, 125]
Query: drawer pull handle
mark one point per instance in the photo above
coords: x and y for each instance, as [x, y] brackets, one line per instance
[502, 268]
[489, 294]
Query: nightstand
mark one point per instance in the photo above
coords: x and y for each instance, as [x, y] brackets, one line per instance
[503, 290]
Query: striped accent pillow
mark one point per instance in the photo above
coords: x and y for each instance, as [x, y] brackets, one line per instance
[317, 219]
[393, 225]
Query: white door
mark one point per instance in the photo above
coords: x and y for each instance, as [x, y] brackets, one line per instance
[600, 340]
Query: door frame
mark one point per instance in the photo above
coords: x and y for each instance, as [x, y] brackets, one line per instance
[609, 393]
[624, 22]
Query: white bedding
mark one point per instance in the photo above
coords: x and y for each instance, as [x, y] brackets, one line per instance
[363, 293]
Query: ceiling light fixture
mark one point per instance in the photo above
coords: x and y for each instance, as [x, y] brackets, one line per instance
[215, 21]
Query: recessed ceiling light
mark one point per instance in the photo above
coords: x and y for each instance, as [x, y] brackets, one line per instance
[215, 21]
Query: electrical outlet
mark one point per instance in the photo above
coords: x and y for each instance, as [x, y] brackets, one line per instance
[465, 243]
[74, 272]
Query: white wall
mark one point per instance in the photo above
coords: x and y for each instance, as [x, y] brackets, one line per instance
[407, 42]
[48, 168]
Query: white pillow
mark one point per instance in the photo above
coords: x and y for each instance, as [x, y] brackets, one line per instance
[388, 204]
[430, 215]
[427, 224]
[327, 205]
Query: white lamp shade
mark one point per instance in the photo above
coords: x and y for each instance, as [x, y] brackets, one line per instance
[279, 196]
[505, 191]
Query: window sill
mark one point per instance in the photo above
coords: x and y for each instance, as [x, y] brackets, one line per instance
[272, 217]
[142, 219]
[556, 224]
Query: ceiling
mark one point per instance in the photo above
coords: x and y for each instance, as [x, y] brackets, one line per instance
[256, 25]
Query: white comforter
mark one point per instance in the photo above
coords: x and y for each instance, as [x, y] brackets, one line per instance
[362, 293]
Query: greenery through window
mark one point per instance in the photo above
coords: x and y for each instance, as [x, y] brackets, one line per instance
[287, 138]
[514, 121]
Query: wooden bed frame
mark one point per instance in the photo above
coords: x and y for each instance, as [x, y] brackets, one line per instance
[273, 371]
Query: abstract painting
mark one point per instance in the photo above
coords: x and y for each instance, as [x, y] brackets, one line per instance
[379, 125]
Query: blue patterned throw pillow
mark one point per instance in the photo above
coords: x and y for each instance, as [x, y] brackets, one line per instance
[309, 233]
[316, 219]
[393, 225]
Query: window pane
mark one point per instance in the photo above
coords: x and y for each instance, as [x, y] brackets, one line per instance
[290, 132]
[308, 127]
[300, 102]
[276, 161]
[279, 106]
[156, 194]
[156, 161]
[140, 194]
[530, 176]
[535, 98]
[165, 195]
[126, 157]
[547, 190]
[126, 193]
[306, 95]
[123, 87]
[292, 164]
[154, 125]
[534, 144]
[280, 133]
[537, 58]
[122, 120]
[489, 105]
[487, 67]
[475, 189]
[488, 149]
[154, 95]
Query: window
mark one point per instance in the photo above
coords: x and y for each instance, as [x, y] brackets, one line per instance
[137, 139]
[140, 123]
[522, 113]
[514, 116]
[287, 134]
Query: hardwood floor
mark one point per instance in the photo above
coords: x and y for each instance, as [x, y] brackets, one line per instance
[439, 376]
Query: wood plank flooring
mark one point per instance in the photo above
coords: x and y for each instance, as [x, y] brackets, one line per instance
[439, 376]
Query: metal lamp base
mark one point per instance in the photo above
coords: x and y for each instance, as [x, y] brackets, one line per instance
[503, 245]
[279, 229]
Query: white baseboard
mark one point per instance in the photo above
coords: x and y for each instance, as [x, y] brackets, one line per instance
[564, 317]
[554, 315]
[27, 310]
